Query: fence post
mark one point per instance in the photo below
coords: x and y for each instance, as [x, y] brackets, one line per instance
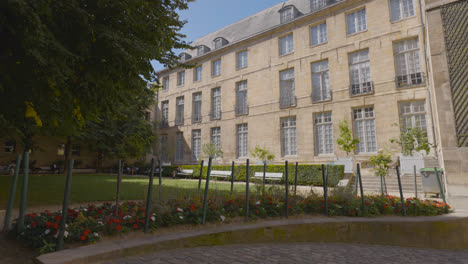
[440, 185]
[401, 191]
[264, 174]
[24, 193]
[201, 173]
[232, 177]
[11, 197]
[119, 180]
[325, 195]
[415, 183]
[295, 180]
[358, 171]
[286, 201]
[66, 198]
[160, 180]
[207, 184]
[149, 197]
[247, 190]
[381, 184]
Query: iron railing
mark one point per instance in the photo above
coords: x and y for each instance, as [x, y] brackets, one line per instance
[319, 98]
[362, 88]
[288, 101]
[215, 115]
[242, 109]
[196, 118]
[411, 79]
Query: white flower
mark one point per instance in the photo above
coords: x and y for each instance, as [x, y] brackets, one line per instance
[222, 218]
[65, 234]
[95, 234]
[154, 214]
[47, 231]
[66, 225]
[56, 234]
[179, 210]
[28, 226]
[127, 217]
[84, 209]
[181, 217]
[257, 203]
[153, 218]
[101, 223]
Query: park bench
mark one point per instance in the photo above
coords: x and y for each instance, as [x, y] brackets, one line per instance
[274, 176]
[220, 174]
[185, 172]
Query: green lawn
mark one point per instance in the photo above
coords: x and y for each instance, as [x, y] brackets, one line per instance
[48, 189]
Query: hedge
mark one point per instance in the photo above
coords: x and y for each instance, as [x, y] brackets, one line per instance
[306, 174]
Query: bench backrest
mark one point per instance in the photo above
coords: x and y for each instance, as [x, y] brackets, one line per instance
[222, 173]
[186, 171]
[269, 174]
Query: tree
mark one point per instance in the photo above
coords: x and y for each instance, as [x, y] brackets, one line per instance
[64, 64]
[262, 153]
[413, 139]
[211, 151]
[346, 141]
[380, 163]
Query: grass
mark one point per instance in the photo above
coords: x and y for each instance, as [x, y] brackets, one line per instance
[49, 189]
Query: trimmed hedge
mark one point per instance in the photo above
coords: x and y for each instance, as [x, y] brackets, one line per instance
[306, 174]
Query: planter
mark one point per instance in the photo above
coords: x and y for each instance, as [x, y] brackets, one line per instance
[347, 162]
[407, 163]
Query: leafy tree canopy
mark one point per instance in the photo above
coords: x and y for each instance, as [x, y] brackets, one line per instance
[346, 141]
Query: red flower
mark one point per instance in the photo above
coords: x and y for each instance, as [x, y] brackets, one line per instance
[86, 232]
[256, 211]
[135, 226]
[118, 227]
[33, 224]
[55, 226]
[270, 202]
[82, 238]
[192, 207]
[385, 206]
[366, 203]
[130, 221]
[58, 218]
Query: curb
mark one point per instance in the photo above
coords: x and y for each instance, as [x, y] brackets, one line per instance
[441, 232]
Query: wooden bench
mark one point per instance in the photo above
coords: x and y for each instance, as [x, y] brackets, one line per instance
[220, 174]
[274, 176]
[185, 172]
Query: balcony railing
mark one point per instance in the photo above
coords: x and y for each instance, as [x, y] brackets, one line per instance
[362, 88]
[288, 101]
[179, 120]
[411, 79]
[317, 97]
[215, 115]
[242, 109]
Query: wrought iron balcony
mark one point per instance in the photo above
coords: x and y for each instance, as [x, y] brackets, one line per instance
[361, 88]
[242, 109]
[411, 79]
[287, 101]
[317, 97]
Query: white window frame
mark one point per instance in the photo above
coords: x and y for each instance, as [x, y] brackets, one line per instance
[412, 114]
[320, 81]
[216, 103]
[165, 83]
[181, 78]
[318, 34]
[216, 137]
[242, 59]
[242, 140]
[286, 44]
[196, 144]
[401, 9]
[359, 73]
[179, 155]
[165, 113]
[317, 4]
[288, 136]
[216, 68]
[286, 15]
[365, 129]
[196, 107]
[180, 101]
[198, 73]
[408, 63]
[356, 22]
[287, 88]
[242, 106]
[218, 43]
[323, 133]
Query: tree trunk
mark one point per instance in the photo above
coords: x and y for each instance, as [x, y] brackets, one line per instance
[100, 158]
[68, 148]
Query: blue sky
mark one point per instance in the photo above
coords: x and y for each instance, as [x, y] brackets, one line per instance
[206, 16]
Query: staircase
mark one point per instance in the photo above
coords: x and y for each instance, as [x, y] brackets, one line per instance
[371, 183]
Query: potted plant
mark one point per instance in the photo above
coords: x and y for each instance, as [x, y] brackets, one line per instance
[348, 144]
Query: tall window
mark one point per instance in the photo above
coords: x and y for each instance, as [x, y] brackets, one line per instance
[196, 144]
[286, 15]
[242, 108]
[324, 133]
[359, 72]
[320, 81]
[317, 4]
[179, 146]
[286, 45]
[196, 107]
[165, 113]
[166, 83]
[356, 21]
[287, 90]
[216, 67]
[407, 63]
[242, 59]
[318, 34]
[288, 134]
[216, 137]
[242, 141]
[364, 125]
[163, 148]
[413, 114]
[179, 110]
[400, 9]
[180, 78]
[216, 103]
[197, 73]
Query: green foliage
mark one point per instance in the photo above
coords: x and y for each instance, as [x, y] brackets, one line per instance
[210, 150]
[380, 162]
[306, 174]
[262, 154]
[413, 139]
[346, 141]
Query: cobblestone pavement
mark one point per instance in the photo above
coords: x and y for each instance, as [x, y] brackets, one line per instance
[300, 253]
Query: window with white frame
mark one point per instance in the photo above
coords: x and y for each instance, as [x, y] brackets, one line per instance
[10, 146]
[317, 4]
[196, 107]
[242, 59]
[242, 108]
[216, 103]
[179, 110]
[216, 67]
[218, 43]
[288, 136]
[318, 34]
[166, 83]
[287, 88]
[181, 78]
[356, 21]
[216, 137]
[413, 114]
[286, 44]
[197, 73]
[165, 113]
[242, 141]
[286, 15]
[364, 127]
[163, 148]
[196, 144]
[320, 81]
[323, 133]
[359, 72]
[407, 63]
[179, 146]
[200, 50]
[400, 9]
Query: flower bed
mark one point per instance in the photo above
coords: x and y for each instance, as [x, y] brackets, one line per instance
[85, 225]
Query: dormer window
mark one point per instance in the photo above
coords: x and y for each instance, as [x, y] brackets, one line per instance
[184, 56]
[219, 42]
[202, 49]
[286, 14]
[317, 5]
